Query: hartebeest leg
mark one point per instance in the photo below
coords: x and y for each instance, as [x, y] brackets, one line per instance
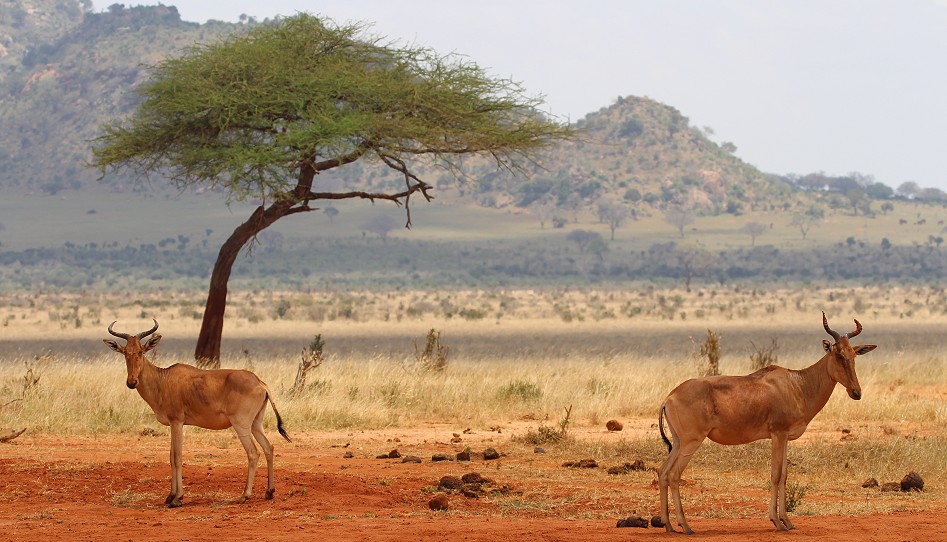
[260, 437]
[784, 475]
[778, 472]
[670, 477]
[253, 458]
[176, 497]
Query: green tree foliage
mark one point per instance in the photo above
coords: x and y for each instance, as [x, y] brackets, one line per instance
[260, 114]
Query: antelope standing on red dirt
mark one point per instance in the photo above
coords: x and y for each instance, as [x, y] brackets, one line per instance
[183, 395]
[774, 403]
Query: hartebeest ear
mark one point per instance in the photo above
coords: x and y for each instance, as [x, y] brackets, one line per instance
[863, 349]
[113, 345]
[826, 345]
[152, 342]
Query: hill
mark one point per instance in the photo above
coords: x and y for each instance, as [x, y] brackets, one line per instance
[67, 70]
[684, 207]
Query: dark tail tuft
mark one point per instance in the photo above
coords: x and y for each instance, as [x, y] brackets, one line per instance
[660, 426]
[279, 419]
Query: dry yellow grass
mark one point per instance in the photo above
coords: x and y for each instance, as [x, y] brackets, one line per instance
[527, 356]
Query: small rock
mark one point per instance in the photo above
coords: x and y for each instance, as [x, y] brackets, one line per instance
[348, 455]
[439, 457]
[614, 425]
[438, 503]
[633, 521]
[656, 521]
[475, 478]
[463, 456]
[871, 482]
[890, 486]
[394, 454]
[638, 465]
[471, 491]
[912, 482]
[490, 454]
[539, 450]
[411, 459]
[450, 483]
[581, 464]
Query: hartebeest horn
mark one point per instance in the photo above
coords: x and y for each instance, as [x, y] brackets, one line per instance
[858, 329]
[144, 334]
[835, 335]
[125, 336]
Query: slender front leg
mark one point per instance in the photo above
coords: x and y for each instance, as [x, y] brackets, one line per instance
[176, 497]
[777, 478]
[784, 475]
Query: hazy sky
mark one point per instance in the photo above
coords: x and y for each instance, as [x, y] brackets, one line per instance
[798, 85]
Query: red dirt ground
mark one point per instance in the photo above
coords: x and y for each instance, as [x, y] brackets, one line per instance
[111, 487]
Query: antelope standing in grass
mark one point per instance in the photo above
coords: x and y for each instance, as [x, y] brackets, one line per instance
[773, 403]
[184, 395]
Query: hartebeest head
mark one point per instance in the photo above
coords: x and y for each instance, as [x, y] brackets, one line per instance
[133, 350]
[842, 364]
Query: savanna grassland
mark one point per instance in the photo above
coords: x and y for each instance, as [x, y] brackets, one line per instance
[516, 361]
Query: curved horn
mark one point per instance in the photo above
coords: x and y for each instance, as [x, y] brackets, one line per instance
[858, 329]
[144, 334]
[125, 336]
[825, 324]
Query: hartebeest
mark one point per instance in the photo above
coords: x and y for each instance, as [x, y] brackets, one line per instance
[774, 403]
[183, 395]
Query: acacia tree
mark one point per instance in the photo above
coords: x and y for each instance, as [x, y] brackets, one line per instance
[260, 114]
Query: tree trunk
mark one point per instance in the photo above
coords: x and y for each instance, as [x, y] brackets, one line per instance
[207, 352]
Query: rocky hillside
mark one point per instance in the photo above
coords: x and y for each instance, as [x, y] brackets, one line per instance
[67, 70]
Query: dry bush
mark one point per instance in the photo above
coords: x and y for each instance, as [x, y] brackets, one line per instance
[763, 357]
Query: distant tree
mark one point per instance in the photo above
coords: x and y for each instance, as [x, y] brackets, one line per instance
[754, 230]
[544, 209]
[908, 189]
[632, 195]
[934, 195]
[728, 147]
[331, 212]
[583, 238]
[693, 261]
[381, 225]
[615, 215]
[806, 220]
[887, 207]
[679, 217]
[260, 113]
[598, 247]
[856, 198]
[879, 191]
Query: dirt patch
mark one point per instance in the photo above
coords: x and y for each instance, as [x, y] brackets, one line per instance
[112, 488]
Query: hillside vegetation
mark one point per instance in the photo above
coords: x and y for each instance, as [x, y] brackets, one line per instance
[68, 70]
[641, 195]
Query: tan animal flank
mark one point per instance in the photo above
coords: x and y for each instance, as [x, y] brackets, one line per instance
[183, 395]
[773, 403]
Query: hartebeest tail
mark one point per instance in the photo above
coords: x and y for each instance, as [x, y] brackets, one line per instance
[184, 395]
[773, 403]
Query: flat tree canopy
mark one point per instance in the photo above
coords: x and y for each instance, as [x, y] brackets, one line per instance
[261, 113]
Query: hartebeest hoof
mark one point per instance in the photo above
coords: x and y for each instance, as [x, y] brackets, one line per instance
[269, 494]
[175, 503]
